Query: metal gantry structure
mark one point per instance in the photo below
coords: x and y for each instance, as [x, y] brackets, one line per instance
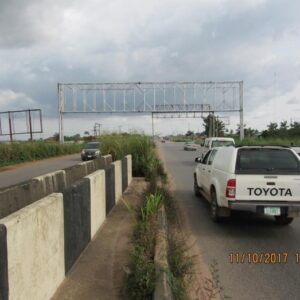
[168, 99]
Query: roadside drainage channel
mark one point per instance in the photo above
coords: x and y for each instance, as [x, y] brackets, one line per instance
[162, 289]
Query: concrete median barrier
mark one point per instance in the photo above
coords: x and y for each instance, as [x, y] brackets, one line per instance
[89, 166]
[16, 197]
[110, 187]
[129, 168]
[41, 241]
[98, 204]
[32, 250]
[77, 217]
[118, 180]
[75, 173]
[124, 174]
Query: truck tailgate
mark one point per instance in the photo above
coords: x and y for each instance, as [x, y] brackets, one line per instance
[268, 187]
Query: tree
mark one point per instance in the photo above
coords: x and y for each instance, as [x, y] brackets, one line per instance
[189, 133]
[213, 126]
[294, 129]
[56, 136]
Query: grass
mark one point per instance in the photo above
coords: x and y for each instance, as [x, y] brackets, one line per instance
[181, 265]
[269, 141]
[18, 152]
[144, 159]
[141, 280]
[151, 206]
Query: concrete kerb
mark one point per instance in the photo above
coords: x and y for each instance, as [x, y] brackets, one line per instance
[162, 288]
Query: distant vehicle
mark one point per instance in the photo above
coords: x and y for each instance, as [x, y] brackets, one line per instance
[213, 142]
[190, 146]
[258, 179]
[91, 150]
[163, 141]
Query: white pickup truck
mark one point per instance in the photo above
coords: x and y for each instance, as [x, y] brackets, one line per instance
[260, 179]
[214, 142]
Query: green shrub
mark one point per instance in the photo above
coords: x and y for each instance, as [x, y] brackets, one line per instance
[151, 206]
[144, 159]
[141, 281]
[268, 141]
[18, 152]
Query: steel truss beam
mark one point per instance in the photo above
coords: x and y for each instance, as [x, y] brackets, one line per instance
[150, 97]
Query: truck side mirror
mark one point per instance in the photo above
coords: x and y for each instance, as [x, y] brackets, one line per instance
[198, 159]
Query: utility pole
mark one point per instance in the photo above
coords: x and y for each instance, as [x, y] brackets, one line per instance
[10, 127]
[30, 125]
[97, 129]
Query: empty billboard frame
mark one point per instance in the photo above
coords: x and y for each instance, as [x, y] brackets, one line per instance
[27, 121]
[150, 97]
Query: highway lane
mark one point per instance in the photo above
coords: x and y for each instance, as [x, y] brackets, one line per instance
[242, 233]
[12, 175]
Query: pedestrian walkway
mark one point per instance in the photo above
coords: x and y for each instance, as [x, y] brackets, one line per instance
[99, 272]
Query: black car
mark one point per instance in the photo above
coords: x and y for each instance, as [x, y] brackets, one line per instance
[91, 150]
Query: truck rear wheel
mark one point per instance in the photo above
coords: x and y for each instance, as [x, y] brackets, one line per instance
[214, 207]
[283, 220]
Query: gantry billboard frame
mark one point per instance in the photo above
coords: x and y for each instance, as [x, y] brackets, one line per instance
[150, 98]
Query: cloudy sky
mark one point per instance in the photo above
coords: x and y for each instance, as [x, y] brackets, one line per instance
[43, 42]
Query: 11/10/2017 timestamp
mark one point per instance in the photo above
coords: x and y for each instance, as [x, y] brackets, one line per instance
[263, 257]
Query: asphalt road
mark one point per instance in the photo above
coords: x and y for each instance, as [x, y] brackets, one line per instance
[242, 233]
[18, 173]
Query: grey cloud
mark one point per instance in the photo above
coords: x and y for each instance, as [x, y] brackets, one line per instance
[26, 23]
[293, 101]
[206, 47]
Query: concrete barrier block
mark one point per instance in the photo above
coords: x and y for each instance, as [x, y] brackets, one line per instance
[107, 159]
[16, 197]
[118, 180]
[100, 163]
[124, 174]
[77, 217]
[89, 166]
[98, 204]
[129, 168]
[52, 182]
[110, 187]
[32, 250]
[75, 173]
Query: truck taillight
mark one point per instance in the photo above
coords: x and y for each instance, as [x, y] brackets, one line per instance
[230, 188]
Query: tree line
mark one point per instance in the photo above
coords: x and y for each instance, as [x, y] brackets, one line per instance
[273, 130]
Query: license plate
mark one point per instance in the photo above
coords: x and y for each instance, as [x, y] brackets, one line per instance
[272, 211]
